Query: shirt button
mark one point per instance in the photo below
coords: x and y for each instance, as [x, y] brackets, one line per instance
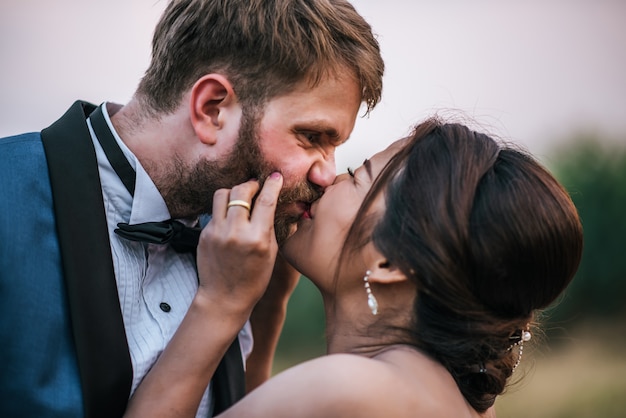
[165, 307]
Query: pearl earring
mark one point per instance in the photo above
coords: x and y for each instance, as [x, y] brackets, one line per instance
[371, 300]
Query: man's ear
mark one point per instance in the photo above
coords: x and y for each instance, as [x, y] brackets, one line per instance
[383, 271]
[211, 97]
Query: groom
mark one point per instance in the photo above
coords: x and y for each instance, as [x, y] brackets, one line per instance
[235, 90]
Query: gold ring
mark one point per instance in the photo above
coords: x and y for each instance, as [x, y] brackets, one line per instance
[241, 203]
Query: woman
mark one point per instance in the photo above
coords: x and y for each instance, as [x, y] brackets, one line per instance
[433, 259]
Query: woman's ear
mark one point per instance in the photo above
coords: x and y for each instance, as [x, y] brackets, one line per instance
[383, 271]
[211, 97]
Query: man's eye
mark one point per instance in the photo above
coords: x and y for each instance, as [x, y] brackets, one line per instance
[311, 136]
[350, 172]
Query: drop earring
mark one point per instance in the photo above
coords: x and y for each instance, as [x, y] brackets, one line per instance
[371, 300]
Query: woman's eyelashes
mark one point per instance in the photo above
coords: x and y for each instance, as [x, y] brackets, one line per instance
[350, 171]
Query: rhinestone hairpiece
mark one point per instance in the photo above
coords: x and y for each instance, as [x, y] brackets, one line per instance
[524, 337]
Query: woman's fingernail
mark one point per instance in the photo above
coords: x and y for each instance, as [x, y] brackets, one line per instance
[275, 175]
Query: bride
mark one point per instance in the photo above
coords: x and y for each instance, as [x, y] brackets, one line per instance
[433, 259]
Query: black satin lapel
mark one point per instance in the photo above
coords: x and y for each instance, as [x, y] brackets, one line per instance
[102, 350]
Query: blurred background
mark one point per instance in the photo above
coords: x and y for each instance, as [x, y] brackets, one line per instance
[549, 75]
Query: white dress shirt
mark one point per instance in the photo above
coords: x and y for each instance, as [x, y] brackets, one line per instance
[155, 284]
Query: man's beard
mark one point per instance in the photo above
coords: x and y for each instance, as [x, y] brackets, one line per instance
[188, 189]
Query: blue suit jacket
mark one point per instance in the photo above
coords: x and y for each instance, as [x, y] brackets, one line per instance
[63, 344]
[63, 347]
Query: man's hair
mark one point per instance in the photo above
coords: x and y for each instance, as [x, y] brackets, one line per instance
[264, 47]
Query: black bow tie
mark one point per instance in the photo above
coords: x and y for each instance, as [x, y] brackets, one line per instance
[182, 238]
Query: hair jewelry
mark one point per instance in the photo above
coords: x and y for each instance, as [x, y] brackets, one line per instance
[371, 300]
[524, 336]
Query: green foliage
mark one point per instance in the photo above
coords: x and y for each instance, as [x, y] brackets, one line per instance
[595, 176]
[605, 402]
[303, 333]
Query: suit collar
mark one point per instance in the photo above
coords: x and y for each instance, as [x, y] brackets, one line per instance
[102, 350]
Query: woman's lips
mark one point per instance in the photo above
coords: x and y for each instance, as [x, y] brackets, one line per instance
[305, 210]
[310, 210]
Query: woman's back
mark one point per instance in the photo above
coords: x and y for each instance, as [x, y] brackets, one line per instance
[397, 382]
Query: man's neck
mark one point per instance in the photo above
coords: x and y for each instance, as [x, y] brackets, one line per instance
[148, 138]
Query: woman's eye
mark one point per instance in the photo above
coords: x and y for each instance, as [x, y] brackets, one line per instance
[350, 172]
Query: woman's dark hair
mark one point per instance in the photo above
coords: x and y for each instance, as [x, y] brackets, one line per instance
[488, 236]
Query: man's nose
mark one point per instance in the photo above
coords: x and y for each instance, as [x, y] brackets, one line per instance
[323, 171]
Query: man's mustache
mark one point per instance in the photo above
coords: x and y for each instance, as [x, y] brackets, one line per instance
[301, 192]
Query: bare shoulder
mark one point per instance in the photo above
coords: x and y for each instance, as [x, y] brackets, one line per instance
[347, 385]
[323, 387]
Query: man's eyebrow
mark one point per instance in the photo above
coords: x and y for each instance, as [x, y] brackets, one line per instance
[332, 134]
[323, 128]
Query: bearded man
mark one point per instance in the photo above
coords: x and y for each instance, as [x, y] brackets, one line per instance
[236, 90]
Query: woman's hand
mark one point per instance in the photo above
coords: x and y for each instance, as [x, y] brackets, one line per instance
[236, 255]
[237, 249]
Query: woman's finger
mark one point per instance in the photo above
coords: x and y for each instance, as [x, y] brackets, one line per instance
[239, 205]
[220, 200]
[265, 204]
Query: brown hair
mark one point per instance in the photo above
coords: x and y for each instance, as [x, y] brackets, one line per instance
[487, 234]
[264, 47]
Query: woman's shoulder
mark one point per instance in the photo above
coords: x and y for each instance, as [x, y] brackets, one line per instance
[399, 382]
[330, 386]
[348, 385]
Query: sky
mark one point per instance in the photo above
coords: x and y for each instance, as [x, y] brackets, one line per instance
[534, 72]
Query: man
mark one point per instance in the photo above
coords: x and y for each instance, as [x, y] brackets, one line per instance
[236, 90]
